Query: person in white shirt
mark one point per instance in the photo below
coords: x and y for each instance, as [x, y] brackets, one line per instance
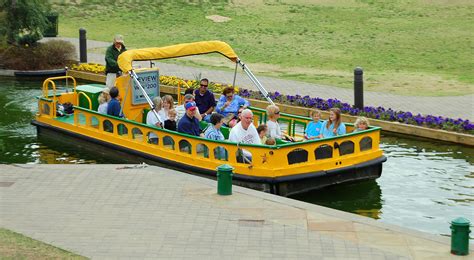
[167, 103]
[104, 99]
[274, 130]
[245, 132]
[154, 119]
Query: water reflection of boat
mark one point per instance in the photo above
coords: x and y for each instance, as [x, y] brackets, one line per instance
[285, 168]
[363, 198]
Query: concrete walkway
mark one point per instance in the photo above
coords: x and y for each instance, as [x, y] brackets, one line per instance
[118, 211]
[449, 106]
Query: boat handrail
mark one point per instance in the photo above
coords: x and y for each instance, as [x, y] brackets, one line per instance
[87, 97]
[289, 144]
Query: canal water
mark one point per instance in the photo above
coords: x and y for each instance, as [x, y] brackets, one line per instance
[424, 184]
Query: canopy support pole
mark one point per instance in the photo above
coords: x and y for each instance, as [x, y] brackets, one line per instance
[134, 76]
[255, 81]
[235, 74]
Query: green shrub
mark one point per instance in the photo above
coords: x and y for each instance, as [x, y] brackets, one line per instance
[49, 55]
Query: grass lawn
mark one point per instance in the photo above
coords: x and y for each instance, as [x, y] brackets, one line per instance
[17, 246]
[409, 47]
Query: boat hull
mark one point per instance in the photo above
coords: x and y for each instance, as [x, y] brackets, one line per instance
[284, 186]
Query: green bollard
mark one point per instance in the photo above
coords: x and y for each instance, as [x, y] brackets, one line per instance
[224, 179]
[460, 236]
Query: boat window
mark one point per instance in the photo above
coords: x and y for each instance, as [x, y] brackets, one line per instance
[346, 147]
[323, 152]
[244, 156]
[168, 142]
[220, 153]
[82, 118]
[45, 109]
[94, 122]
[153, 138]
[365, 143]
[108, 126]
[122, 129]
[137, 134]
[297, 156]
[202, 150]
[185, 146]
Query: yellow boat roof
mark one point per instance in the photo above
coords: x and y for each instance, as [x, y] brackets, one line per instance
[174, 51]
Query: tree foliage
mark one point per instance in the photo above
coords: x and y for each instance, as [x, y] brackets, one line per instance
[25, 20]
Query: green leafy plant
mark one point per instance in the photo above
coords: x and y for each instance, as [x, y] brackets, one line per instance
[25, 20]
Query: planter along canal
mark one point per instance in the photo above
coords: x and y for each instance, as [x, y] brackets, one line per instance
[424, 185]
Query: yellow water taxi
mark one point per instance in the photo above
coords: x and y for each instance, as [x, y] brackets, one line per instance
[284, 169]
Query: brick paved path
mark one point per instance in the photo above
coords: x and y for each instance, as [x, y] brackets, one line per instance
[105, 211]
[450, 106]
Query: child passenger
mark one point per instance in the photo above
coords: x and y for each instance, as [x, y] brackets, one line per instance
[170, 123]
[167, 103]
[213, 132]
[104, 99]
[270, 141]
[334, 125]
[262, 131]
[314, 127]
[113, 108]
[361, 123]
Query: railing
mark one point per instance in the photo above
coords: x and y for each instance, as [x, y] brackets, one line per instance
[46, 101]
[296, 157]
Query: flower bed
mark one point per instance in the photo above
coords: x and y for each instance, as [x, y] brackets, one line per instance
[380, 113]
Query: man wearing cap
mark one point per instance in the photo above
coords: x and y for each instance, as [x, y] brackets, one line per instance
[111, 56]
[189, 124]
[181, 110]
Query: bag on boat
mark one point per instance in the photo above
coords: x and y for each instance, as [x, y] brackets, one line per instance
[64, 109]
[228, 118]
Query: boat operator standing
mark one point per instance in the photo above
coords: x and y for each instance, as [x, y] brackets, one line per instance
[112, 69]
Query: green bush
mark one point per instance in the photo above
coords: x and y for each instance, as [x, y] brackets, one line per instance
[49, 55]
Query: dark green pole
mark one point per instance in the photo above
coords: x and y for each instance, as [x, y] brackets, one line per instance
[460, 236]
[359, 88]
[224, 179]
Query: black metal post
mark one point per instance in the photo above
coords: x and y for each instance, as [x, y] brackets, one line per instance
[359, 88]
[82, 45]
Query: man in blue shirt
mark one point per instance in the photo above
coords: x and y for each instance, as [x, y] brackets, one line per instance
[113, 109]
[205, 100]
[189, 124]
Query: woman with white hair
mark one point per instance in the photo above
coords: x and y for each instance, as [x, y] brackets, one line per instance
[154, 119]
[274, 130]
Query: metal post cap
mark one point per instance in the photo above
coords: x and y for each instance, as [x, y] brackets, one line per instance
[225, 167]
[358, 71]
[460, 222]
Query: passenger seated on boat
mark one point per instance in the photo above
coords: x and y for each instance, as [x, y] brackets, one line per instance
[213, 132]
[245, 132]
[314, 127]
[113, 108]
[262, 131]
[270, 141]
[170, 123]
[103, 99]
[167, 103]
[154, 119]
[333, 126]
[181, 111]
[205, 100]
[361, 123]
[274, 129]
[189, 124]
[229, 105]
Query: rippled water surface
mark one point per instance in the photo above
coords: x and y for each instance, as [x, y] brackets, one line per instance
[424, 184]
